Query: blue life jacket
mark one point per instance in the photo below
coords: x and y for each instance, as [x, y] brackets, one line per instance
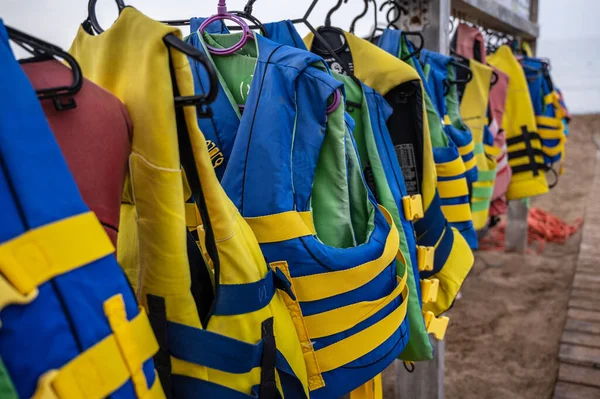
[70, 323]
[437, 80]
[349, 307]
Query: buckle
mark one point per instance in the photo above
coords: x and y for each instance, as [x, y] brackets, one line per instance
[425, 257]
[45, 389]
[436, 326]
[429, 289]
[413, 207]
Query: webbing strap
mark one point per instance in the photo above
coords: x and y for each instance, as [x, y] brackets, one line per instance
[486, 175]
[457, 213]
[372, 389]
[551, 134]
[10, 296]
[479, 149]
[470, 164]
[103, 368]
[268, 384]
[281, 226]
[549, 122]
[344, 318]
[325, 285]
[41, 254]
[453, 188]
[234, 299]
[492, 150]
[480, 206]
[207, 348]
[453, 168]
[482, 192]
[162, 359]
[466, 149]
[523, 137]
[355, 346]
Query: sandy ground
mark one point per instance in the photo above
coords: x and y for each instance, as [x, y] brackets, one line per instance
[504, 334]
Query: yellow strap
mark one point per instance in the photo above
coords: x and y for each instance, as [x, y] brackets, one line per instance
[372, 389]
[492, 150]
[551, 134]
[450, 169]
[355, 346]
[457, 213]
[447, 120]
[436, 326]
[429, 290]
[344, 318]
[315, 379]
[471, 163]
[192, 216]
[453, 188]
[10, 296]
[413, 207]
[466, 149]
[130, 345]
[281, 226]
[325, 285]
[103, 368]
[425, 258]
[548, 122]
[40, 254]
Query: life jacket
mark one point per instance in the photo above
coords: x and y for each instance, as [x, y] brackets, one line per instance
[370, 112]
[94, 137]
[320, 226]
[473, 110]
[402, 88]
[240, 340]
[452, 176]
[548, 111]
[498, 96]
[468, 42]
[71, 327]
[525, 155]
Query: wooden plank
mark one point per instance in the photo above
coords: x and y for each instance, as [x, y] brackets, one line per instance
[584, 304]
[587, 277]
[579, 338]
[579, 375]
[586, 284]
[427, 380]
[580, 355]
[582, 293]
[566, 390]
[583, 326]
[584, 315]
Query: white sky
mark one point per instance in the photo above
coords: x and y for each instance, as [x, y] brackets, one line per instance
[56, 20]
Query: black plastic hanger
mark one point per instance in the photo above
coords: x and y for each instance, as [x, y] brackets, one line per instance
[333, 9]
[202, 101]
[395, 7]
[322, 41]
[61, 96]
[359, 16]
[467, 79]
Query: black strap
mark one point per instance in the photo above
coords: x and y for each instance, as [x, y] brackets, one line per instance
[188, 162]
[157, 314]
[268, 384]
[202, 288]
[525, 153]
[526, 137]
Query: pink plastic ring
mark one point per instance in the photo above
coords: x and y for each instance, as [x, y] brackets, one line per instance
[337, 100]
[246, 34]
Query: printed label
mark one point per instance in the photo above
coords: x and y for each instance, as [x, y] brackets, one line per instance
[408, 164]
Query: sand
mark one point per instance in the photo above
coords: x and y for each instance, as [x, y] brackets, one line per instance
[504, 335]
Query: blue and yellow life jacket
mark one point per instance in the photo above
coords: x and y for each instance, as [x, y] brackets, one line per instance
[71, 327]
[548, 110]
[453, 183]
[370, 112]
[294, 175]
[453, 258]
[223, 329]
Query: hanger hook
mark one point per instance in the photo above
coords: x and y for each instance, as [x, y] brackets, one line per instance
[93, 20]
[334, 9]
[359, 16]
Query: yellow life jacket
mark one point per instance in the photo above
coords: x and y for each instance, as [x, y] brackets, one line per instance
[245, 338]
[525, 155]
[473, 110]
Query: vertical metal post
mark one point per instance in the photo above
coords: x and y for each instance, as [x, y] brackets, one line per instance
[436, 34]
[427, 381]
